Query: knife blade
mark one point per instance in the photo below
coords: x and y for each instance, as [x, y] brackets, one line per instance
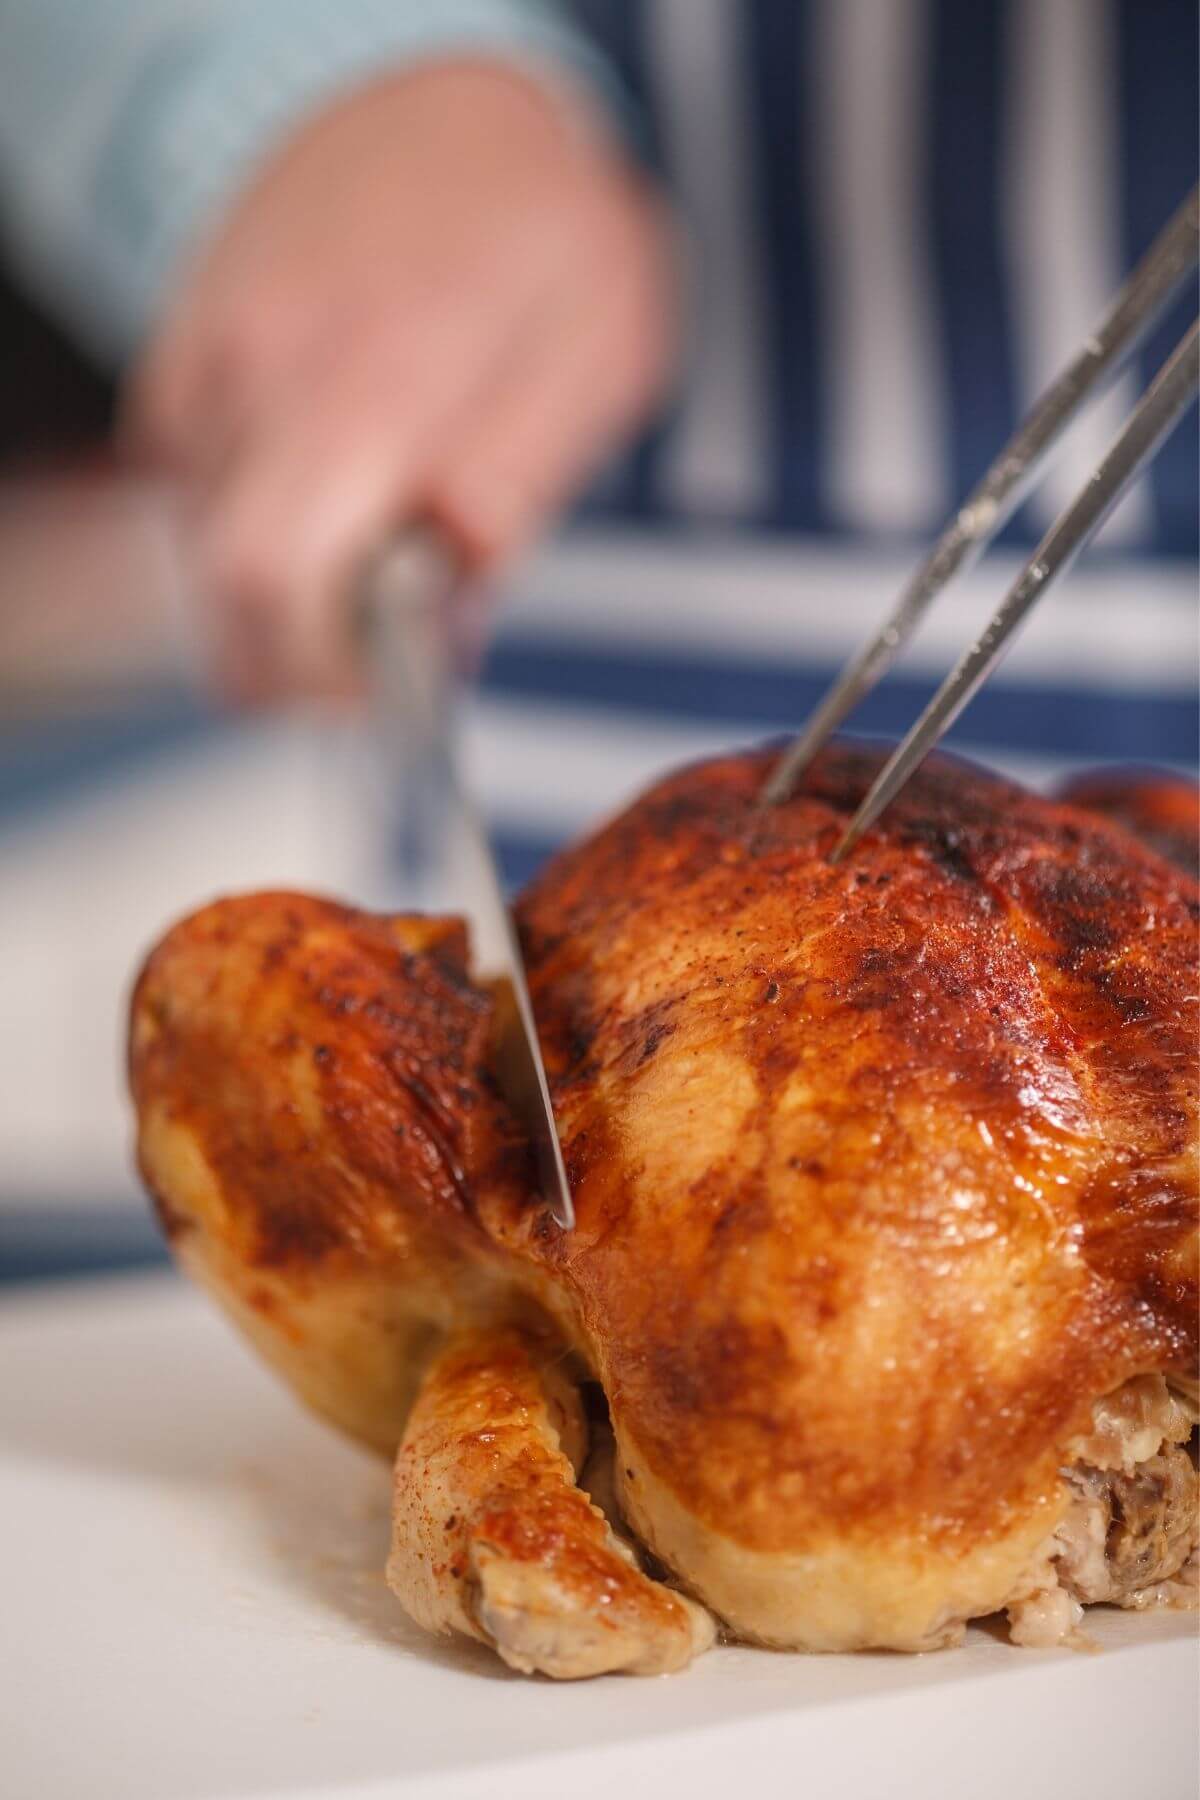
[404, 616]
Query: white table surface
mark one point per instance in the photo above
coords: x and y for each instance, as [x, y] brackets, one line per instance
[193, 1607]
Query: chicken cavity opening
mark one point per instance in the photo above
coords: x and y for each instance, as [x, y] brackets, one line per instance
[1130, 1534]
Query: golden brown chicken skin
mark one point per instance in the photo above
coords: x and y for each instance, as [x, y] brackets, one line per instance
[1161, 809]
[884, 1173]
[315, 1121]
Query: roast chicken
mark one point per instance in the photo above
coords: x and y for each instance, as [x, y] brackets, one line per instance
[881, 1310]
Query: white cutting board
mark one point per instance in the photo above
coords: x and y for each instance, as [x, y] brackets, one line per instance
[191, 1606]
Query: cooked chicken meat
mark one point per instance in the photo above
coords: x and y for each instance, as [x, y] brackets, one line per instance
[1143, 1525]
[886, 1192]
[1131, 1523]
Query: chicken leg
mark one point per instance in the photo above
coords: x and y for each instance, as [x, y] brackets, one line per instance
[492, 1538]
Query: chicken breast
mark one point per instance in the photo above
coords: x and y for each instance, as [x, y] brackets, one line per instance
[884, 1174]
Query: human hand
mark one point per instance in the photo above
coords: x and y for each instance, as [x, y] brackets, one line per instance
[446, 296]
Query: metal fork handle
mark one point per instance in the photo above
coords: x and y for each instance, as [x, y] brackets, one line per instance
[1160, 408]
[984, 512]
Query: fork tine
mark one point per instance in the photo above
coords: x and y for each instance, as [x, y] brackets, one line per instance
[1135, 309]
[1159, 409]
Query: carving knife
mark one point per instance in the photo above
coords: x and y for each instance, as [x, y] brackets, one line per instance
[405, 612]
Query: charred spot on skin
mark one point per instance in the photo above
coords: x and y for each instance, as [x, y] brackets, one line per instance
[290, 1234]
[944, 845]
[323, 1056]
[1075, 901]
[873, 985]
[1132, 1008]
[656, 1035]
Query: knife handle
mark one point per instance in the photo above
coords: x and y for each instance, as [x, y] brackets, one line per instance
[415, 570]
[403, 626]
[403, 621]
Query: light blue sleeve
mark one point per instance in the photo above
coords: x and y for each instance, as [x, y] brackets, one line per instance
[125, 125]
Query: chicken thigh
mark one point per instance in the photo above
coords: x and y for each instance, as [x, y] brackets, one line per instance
[883, 1286]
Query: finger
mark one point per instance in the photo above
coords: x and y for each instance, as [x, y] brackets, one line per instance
[585, 372]
[211, 372]
[316, 489]
[544, 425]
[177, 406]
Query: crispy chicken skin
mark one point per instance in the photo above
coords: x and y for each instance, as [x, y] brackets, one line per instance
[1162, 810]
[884, 1173]
[493, 1538]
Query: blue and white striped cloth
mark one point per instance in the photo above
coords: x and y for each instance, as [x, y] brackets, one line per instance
[904, 215]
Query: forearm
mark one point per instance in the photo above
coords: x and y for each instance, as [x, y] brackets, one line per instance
[125, 133]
